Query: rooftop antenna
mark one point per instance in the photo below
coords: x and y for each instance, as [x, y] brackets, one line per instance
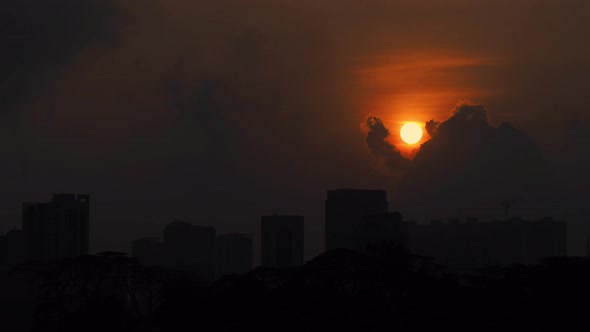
[587, 246]
[506, 205]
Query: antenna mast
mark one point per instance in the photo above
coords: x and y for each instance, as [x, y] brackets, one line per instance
[587, 246]
[506, 204]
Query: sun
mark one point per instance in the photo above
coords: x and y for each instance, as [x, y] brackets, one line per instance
[411, 133]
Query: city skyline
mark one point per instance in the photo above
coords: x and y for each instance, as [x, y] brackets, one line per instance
[349, 165]
[356, 220]
[160, 118]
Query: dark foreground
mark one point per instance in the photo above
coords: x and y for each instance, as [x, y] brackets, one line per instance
[341, 290]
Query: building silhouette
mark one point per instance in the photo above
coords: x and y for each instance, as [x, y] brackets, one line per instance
[190, 247]
[233, 254]
[185, 247]
[282, 241]
[149, 251]
[57, 229]
[12, 248]
[346, 210]
[387, 227]
[474, 244]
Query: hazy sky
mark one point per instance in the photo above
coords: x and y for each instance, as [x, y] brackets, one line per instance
[217, 112]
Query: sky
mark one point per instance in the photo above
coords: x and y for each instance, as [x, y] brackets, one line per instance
[218, 112]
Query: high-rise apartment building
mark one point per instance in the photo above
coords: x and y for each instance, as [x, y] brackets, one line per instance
[57, 229]
[282, 241]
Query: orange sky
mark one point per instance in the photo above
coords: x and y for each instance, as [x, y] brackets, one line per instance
[416, 86]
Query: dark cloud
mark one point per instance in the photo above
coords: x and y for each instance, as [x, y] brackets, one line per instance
[431, 127]
[37, 35]
[470, 167]
[380, 147]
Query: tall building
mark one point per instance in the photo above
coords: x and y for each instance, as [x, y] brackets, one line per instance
[345, 213]
[282, 241]
[149, 251]
[388, 227]
[546, 238]
[473, 244]
[458, 245]
[190, 247]
[185, 247]
[233, 254]
[57, 229]
[12, 248]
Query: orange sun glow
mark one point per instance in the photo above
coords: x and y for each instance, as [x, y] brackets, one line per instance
[411, 133]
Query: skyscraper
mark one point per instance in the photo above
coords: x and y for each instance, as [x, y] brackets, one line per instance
[282, 241]
[346, 210]
[11, 248]
[56, 229]
[190, 247]
[233, 254]
[389, 228]
[149, 251]
[473, 244]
